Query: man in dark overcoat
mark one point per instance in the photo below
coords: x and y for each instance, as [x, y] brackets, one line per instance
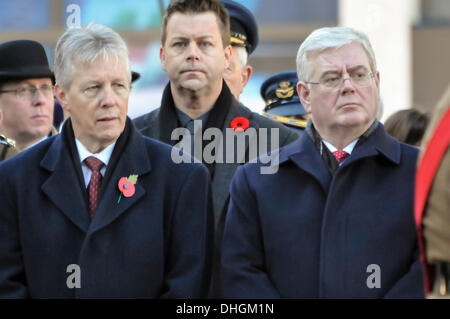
[195, 53]
[336, 220]
[99, 211]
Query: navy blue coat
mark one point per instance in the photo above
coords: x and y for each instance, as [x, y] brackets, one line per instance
[304, 233]
[154, 244]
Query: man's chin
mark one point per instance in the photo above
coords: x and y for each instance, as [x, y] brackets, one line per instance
[193, 85]
[42, 132]
[354, 119]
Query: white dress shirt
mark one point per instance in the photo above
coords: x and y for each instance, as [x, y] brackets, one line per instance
[103, 156]
[349, 148]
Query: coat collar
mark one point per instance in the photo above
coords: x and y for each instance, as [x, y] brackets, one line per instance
[305, 155]
[63, 189]
[168, 118]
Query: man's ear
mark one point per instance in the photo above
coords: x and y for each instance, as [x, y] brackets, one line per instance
[162, 57]
[61, 96]
[304, 93]
[247, 72]
[377, 80]
[228, 52]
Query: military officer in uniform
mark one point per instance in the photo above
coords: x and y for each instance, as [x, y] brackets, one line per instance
[432, 201]
[282, 102]
[243, 39]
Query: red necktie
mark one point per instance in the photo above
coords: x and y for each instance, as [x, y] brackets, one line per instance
[340, 155]
[95, 183]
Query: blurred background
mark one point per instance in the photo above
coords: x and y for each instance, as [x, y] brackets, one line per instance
[411, 39]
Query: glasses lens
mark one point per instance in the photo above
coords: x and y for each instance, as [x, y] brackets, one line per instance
[47, 90]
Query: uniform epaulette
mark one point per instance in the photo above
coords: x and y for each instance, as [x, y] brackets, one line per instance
[7, 141]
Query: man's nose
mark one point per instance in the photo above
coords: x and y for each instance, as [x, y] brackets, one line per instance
[38, 98]
[193, 51]
[109, 97]
[347, 84]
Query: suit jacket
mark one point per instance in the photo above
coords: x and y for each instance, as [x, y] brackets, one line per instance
[304, 233]
[154, 244]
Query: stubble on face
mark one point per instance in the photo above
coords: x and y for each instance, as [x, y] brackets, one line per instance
[193, 56]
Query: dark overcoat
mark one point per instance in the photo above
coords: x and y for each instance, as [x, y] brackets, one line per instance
[154, 124]
[304, 233]
[154, 244]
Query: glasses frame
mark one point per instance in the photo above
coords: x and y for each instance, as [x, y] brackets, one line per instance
[369, 75]
[31, 90]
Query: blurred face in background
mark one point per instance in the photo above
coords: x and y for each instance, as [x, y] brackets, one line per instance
[236, 75]
[26, 111]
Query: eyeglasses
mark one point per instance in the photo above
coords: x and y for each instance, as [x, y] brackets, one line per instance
[358, 78]
[29, 92]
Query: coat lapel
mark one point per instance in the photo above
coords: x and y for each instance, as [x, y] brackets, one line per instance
[223, 173]
[62, 186]
[378, 143]
[304, 155]
[133, 160]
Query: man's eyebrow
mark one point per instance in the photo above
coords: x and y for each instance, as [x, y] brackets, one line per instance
[91, 82]
[197, 37]
[356, 67]
[204, 36]
[119, 79]
[336, 71]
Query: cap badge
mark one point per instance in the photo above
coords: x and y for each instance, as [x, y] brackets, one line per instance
[285, 90]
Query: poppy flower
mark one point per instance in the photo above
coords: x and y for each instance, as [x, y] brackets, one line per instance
[239, 124]
[126, 187]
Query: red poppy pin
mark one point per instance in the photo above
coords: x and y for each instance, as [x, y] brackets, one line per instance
[239, 124]
[126, 186]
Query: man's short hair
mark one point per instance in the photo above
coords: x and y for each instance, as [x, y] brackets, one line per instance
[83, 45]
[196, 7]
[325, 38]
[243, 56]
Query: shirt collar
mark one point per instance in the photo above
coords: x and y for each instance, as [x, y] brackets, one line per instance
[349, 148]
[104, 155]
[185, 119]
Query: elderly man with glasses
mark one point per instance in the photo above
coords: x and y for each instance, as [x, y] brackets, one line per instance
[336, 220]
[26, 93]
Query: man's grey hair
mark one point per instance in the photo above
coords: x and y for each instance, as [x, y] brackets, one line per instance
[325, 38]
[243, 56]
[82, 45]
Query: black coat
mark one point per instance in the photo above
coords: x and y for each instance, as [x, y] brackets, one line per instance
[154, 244]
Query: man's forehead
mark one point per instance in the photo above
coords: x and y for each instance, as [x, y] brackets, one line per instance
[113, 66]
[350, 55]
[206, 21]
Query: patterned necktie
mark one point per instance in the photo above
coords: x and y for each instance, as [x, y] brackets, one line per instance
[95, 183]
[340, 155]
